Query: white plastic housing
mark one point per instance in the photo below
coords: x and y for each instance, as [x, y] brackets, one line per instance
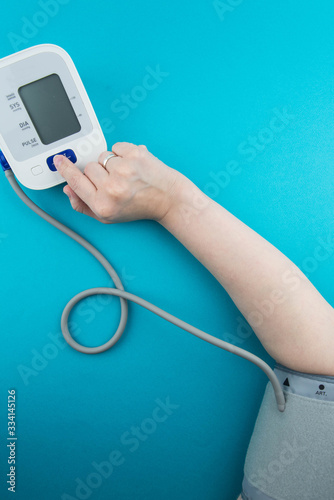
[19, 139]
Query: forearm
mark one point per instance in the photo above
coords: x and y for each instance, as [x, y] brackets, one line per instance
[292, 320]
[287, 313]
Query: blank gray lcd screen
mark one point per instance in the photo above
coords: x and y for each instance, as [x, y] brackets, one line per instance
[50, 109]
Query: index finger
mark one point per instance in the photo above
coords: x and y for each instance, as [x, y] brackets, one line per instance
[80, 184]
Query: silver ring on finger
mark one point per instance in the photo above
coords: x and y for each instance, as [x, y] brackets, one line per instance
[107, 158]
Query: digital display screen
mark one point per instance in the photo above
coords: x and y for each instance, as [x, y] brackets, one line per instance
[50, 109]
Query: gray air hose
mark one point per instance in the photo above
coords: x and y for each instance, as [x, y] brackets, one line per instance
[125, 296]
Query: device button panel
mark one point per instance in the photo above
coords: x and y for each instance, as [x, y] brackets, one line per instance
[36, 170]
[69, 153]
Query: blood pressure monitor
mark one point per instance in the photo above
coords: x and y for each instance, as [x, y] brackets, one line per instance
[45, 111]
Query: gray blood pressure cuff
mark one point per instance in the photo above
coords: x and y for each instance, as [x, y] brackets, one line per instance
[291, 454]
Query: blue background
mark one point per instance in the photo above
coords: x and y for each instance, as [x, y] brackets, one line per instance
[226, 75]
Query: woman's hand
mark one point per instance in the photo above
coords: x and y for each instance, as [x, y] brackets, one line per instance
[134, 185]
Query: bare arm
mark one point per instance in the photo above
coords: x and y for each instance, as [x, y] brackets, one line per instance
[292, 320]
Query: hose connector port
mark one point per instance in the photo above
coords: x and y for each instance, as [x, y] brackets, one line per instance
[3, 162]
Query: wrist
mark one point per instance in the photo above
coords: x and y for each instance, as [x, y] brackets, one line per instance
[185, 200]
